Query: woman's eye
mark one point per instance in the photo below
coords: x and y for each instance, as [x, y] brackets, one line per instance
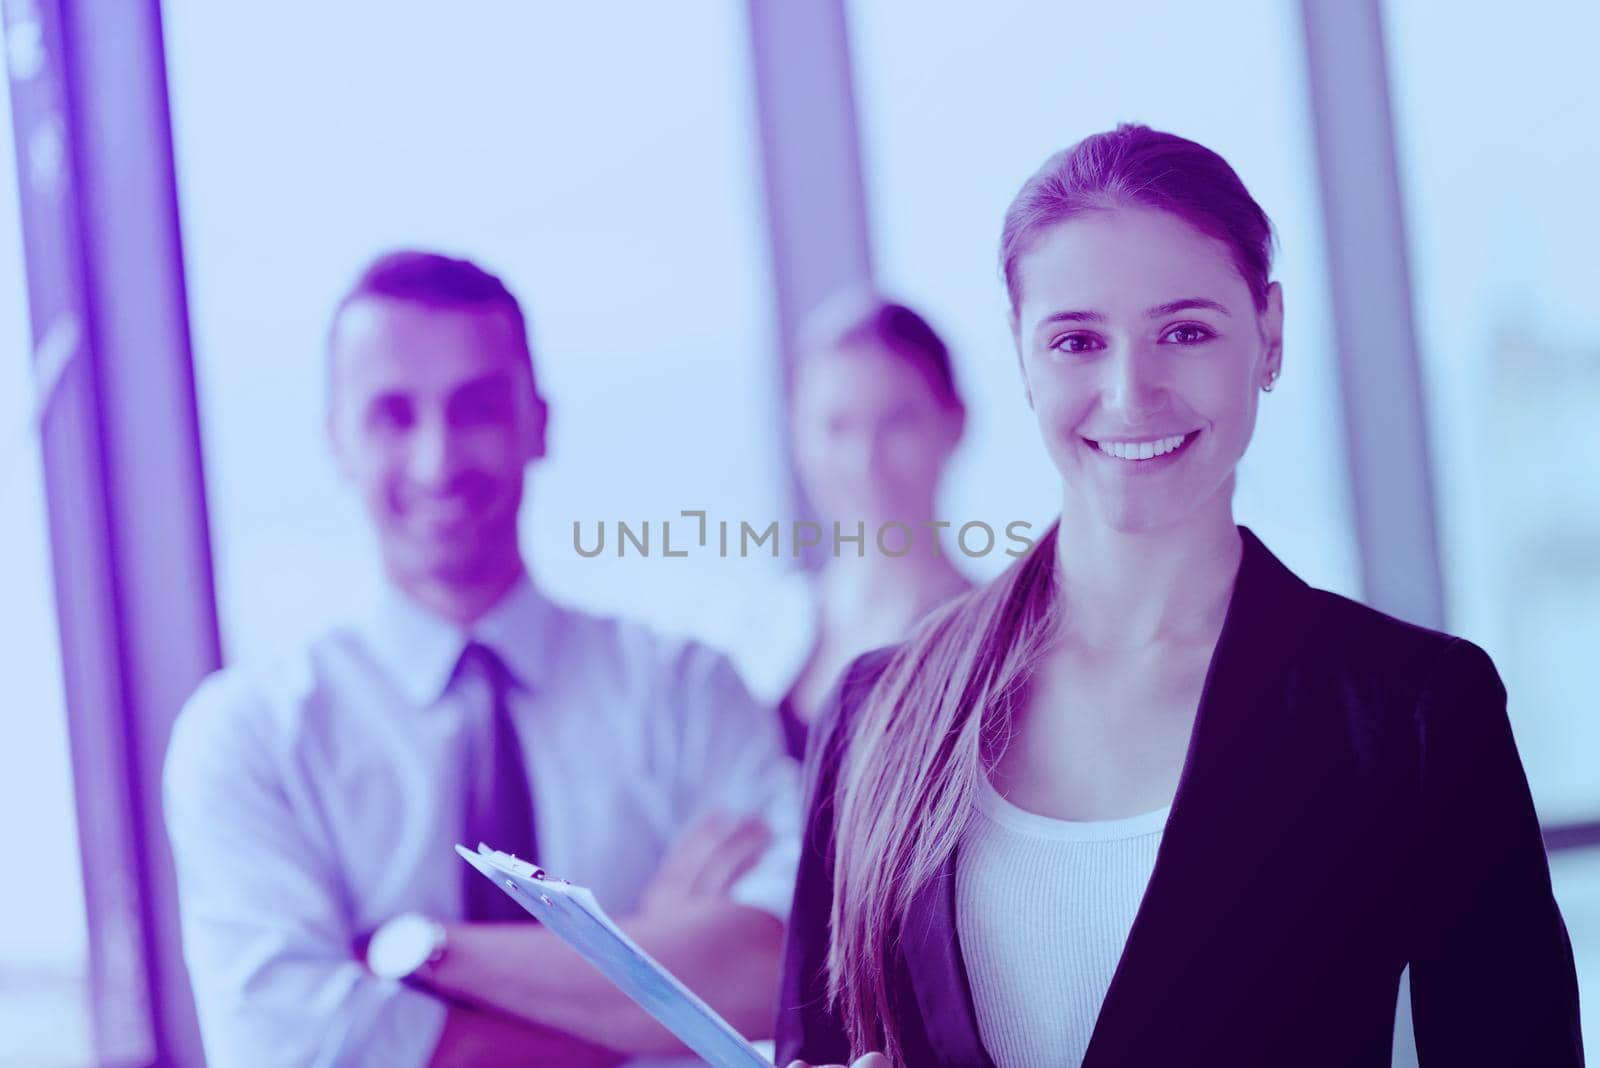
[1076, 343]
[390, 414]
[1189, 334]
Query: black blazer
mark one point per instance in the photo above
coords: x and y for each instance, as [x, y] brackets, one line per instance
[1351, 802]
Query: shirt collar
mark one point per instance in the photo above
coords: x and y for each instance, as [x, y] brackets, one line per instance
[418, 650]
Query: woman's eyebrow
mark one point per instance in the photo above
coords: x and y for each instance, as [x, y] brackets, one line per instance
[1159, 310]
[1070, 317]
[1184, 304]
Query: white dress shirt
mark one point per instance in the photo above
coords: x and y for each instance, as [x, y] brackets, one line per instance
[311, 800]
[1043, 910]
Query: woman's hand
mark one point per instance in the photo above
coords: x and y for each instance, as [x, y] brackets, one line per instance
[871, 1060]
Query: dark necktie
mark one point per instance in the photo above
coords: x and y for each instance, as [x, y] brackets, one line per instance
[499, 806]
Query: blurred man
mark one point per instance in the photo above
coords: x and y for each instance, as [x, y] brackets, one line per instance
[313, 806]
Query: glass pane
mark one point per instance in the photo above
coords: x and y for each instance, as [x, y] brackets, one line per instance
[610, 178]
[958, 109]
[44, 1001]
[1503, 231]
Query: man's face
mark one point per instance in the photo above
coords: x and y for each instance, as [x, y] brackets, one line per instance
[433, 417]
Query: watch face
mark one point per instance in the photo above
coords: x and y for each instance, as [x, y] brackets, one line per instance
[401, 946]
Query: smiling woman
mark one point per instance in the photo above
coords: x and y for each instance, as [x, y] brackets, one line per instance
[1148, 775]
[935, 78]
[1136, 365]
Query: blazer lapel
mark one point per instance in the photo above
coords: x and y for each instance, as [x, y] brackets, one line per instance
[938, 976]
[1175, 936]
[1270, 614]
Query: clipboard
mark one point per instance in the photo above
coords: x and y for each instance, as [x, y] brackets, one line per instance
[578, 920]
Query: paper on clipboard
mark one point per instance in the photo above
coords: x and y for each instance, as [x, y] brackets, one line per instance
[578, 920]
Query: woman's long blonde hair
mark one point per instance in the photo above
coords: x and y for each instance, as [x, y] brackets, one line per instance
[941, 713]
[915, 751]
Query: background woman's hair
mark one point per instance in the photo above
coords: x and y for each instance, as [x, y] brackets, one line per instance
[867, 318]
[941, 713]
[1135, 166]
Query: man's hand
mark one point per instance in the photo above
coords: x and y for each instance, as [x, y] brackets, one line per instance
[871, 1060]
[705, 861]
[725, 952]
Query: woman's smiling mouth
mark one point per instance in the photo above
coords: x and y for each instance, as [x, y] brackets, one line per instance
[1149, 454]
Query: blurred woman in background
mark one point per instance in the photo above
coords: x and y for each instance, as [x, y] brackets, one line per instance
[875, 418]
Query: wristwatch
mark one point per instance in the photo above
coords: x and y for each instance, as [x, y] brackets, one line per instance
[404, 945]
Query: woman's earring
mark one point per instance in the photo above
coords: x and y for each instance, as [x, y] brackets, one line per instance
[1271, 378]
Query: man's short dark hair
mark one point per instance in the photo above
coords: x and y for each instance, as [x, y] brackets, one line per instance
[437, 281]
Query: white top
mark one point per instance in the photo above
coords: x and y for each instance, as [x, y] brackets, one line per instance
[309, 801]
[1043, 909]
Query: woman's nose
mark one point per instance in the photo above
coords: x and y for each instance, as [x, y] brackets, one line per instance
[1133, 387]
[854, 450]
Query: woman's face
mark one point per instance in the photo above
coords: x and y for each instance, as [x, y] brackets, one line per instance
[871, 437]
[1143, 355]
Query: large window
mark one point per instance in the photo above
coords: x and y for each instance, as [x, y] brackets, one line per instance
[1497, 155]
[959, 106]
[44, 1008]
[611, 178]
[1503, 235]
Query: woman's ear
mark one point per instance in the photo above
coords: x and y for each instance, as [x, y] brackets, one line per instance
[1272, 331]
[961, 422]
[954, 418]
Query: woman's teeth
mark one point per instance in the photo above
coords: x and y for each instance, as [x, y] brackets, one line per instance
[1141, 450]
